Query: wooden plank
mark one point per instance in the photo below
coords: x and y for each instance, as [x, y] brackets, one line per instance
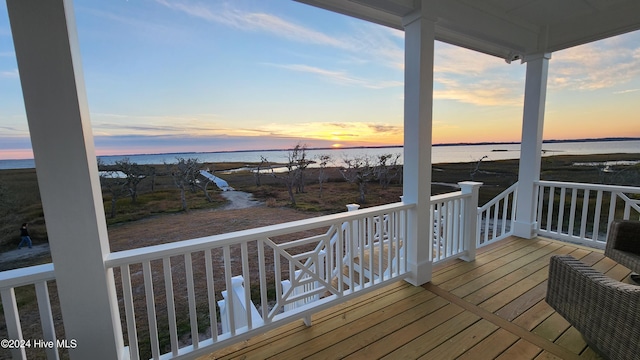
[305, 334]
[434, 337]
[524, 302]
[491, 347]
[339, 346]
[485, 274]
[545, 355]
[522, 349]
[511, 252]
[519, 286]
[572, 340]
[455, 267]
[534, 316]
[343, 340]
[406, 334]
[325, 315]
[527, 264]
[619, 273]
[466, 339]
[487, 315]
[552, 327]
[499, 293]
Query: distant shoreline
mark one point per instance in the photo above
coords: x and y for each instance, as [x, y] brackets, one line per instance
[29, 163]
[550, 141]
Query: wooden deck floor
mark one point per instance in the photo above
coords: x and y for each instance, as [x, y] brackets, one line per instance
[492, 308]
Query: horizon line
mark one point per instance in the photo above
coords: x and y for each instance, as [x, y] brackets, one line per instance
[549, 141]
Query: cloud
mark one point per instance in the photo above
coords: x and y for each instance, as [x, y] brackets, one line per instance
[598, 65]
[340, 77]
[13, 74]
[253, 21]
[626, 91]
[386, 129]
[364, 43]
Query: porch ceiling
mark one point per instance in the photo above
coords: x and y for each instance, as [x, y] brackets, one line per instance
[510, 29]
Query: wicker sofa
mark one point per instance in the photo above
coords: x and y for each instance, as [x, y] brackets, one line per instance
[623, 244]
[605, 311]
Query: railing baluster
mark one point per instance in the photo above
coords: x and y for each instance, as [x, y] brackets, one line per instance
[585, 213]
[246, 275]
[339, 255]
[211, 292]
[505, 211]
[552, 193]
[596, 216]
[372, 251]
[229, 303]
[455, 220]
[494, 219]
[46, 318]
[191, 294]
[572, 213]
[171, 309]
[563, 191]
[541, 190]
[263, 280]
[151, 309]
[127, 295]
[12, 319]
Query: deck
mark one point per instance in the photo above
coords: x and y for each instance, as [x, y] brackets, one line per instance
[492, 308]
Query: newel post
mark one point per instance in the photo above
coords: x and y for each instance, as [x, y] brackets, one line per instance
[470, 218]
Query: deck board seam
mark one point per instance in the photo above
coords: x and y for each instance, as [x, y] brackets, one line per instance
[503, 323]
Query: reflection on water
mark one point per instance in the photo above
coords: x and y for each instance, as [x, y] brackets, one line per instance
[439, 153]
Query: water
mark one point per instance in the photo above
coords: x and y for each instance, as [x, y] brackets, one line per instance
[440, 153]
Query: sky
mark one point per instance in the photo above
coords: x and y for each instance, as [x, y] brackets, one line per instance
[180, 76]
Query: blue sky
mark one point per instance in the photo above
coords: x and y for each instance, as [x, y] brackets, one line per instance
[170, 76]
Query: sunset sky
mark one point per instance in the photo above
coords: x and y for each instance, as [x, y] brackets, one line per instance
[181, 76]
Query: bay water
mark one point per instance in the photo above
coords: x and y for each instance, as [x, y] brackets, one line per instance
[440, 153]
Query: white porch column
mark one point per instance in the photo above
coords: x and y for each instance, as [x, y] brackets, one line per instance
[48, 55]
[418, 119]
[531, 146]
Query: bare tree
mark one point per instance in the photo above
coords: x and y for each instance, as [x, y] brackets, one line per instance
[114, 183]
[299, 156]
[476, 170]
[296, 163]
[134, 174]
[182, 173]
[258, 172]
[359, 170]
[387, 169]
[323, 161]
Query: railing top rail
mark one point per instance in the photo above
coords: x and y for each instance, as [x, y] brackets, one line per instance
[186, 246]
[585, 186]
[26, 276]
[448, 196]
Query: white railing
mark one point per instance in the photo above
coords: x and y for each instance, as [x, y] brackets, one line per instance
[33, 276]
[496, 217]
[170, 292]
[581, 213]
[454, 224]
